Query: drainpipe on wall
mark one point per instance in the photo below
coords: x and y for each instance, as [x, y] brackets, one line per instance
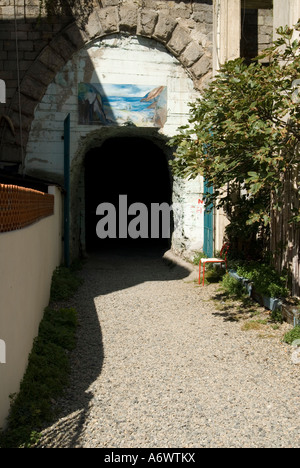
[19, 87]
[217, 34]
[67, 133]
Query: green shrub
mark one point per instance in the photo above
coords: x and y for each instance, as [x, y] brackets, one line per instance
[233, 287]
[265, 279]
[292, 335]
[276, 315]
[214, 274]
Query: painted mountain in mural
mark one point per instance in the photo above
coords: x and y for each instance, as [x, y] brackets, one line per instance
[115, 104]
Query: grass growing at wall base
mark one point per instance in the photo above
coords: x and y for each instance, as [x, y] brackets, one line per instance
[44, 380]
[64, 283]
[47, 373]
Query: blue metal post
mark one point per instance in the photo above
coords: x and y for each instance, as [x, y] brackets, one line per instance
[208, 247]
[67, 132]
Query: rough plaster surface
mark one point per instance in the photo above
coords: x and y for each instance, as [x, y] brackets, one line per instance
[117, 59]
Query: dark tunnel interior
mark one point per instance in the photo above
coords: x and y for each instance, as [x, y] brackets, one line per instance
[135, 167]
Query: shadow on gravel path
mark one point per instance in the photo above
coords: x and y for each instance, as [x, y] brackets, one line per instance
[103, 273]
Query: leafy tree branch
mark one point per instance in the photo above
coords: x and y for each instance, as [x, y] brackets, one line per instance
[244, 132]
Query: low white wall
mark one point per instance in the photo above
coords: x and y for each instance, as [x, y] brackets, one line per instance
[28, 258]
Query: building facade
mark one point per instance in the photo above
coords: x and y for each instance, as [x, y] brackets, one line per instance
[125, 72]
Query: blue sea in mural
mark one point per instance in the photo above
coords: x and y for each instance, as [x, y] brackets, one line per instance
[122, 105]
[126, 108]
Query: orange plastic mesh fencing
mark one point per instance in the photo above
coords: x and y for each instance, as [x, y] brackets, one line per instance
[20, 207]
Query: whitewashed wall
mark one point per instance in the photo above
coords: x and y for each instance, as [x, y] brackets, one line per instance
[118, 60]
[28, 258]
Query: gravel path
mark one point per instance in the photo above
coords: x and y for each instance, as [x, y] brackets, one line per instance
[157, 365]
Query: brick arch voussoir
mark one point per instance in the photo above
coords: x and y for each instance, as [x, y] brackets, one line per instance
[103, 22]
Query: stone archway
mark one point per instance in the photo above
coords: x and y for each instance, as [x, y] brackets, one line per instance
[96, 140]
[186, 52]
[114, 59]
[181, 37]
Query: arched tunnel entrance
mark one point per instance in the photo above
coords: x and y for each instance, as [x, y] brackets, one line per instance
[136, 169]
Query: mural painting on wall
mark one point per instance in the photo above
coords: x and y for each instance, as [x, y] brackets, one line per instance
[126, 104]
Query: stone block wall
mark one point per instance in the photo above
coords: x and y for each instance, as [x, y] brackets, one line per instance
[257, 31]
[33, 49]
[22, 25]
[265, 28]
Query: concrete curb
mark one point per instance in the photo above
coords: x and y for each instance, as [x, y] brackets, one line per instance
[170, 256]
